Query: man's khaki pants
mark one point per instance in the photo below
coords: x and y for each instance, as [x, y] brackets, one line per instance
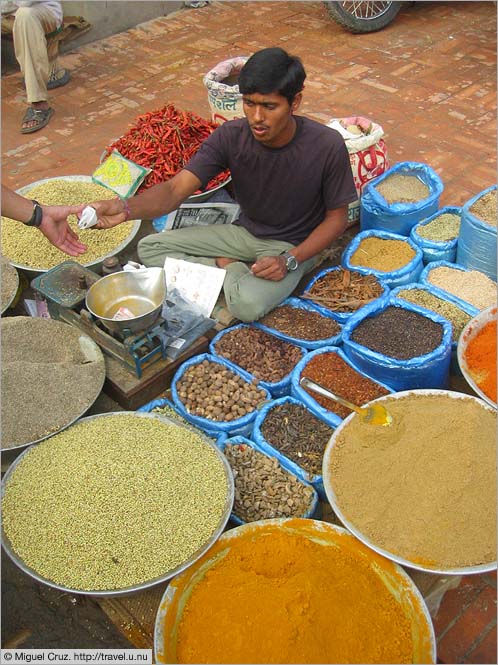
[248, 297]
[36, 50]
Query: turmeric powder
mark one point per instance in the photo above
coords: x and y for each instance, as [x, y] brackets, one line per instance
[294, 595]
[480, 355]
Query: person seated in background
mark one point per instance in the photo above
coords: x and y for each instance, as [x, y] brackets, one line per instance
[50, 220]
[34, 25]
[291, 177]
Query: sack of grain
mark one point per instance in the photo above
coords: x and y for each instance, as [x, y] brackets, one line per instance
[224, 97]
[477, 241]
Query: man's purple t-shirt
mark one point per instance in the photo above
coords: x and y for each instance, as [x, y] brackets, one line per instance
[285, 192]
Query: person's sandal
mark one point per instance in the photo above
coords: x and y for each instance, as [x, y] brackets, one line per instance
[40, 117]
[58, 78]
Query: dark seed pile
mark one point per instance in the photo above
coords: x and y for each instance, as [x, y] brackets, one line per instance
[399, 333]
[301, 323]
[297, 433]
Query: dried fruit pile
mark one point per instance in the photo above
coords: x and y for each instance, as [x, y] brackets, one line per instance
[164, 140]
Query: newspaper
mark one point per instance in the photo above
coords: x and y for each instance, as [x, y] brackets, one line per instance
[195, 282]
[200, 214]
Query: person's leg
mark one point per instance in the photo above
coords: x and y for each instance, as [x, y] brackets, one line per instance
[30, 45]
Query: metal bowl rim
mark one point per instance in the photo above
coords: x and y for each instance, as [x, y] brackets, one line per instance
[149, 583]
[280, 521]
[76, 178]
[100, 386]
[9, 303]
[472, 327]
[331, 497]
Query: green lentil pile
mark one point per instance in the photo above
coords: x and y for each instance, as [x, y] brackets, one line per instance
[26, 246]
[398, 188]
[442, 228]
[456, 316]
[9, 283]
[114, 502]
[169, 412]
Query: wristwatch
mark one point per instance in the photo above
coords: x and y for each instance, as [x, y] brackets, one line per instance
[36, 217]
[290, 261]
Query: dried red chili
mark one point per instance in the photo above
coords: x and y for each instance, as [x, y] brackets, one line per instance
[164, 140]
[337, 375]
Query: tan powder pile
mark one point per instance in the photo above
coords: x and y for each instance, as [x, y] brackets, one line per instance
[48, 378]
[398, 188]
[485, 208]
[470, 285]
[424, 488]
[382, 254]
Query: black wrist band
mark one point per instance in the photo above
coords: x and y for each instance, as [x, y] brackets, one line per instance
[36, 217]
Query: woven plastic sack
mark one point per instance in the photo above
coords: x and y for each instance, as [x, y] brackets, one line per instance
[224, 97]
[433, 290]
[276, 389]
[404, 275]
[377, 213]
[477, 241]
[425, 275]
[428, 371]
[367, 154]
[301, 395]
[120, 174]
[257, 435]
[433, 250]
[315, 510]
[308, 344]
[340, 317]
[239, 426]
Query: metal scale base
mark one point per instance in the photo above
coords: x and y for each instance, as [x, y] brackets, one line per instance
[137, 369]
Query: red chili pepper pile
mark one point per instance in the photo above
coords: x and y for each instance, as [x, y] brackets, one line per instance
[164, 141]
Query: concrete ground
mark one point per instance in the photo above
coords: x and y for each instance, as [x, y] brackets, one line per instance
[429, 79]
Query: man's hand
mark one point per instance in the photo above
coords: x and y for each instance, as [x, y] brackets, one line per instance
[270, 267]
[110, 213]
[56, 229]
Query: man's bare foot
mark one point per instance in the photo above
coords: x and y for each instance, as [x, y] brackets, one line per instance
[223, 262]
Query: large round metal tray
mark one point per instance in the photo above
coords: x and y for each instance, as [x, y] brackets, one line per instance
[92, 351]
[395, 579]
[76, 178]
[6, 265]
[206, 195]
[149, 583]
[474, 326]
[331, 496]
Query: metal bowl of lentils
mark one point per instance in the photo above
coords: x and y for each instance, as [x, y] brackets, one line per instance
[27, 250]
[116, 503]
[9, 284]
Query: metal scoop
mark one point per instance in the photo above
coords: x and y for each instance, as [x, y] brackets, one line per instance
[375, 414]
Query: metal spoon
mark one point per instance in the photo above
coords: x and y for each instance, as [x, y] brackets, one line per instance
[375, 414]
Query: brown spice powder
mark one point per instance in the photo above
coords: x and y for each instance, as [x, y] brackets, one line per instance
[382, 254]
[425, 487]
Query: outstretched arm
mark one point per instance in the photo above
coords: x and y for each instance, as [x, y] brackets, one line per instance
[54, 224]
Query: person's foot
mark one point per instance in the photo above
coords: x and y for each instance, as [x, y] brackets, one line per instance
[58, 78]
[37, 116]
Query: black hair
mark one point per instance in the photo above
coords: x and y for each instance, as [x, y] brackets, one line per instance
[272, 70]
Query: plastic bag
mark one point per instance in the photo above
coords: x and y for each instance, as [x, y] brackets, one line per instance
[477, 241]
[377, 213]
[433, 250]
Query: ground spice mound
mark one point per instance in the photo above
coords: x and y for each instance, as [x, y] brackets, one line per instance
[26, 246]
[425, 487]
[382, 254]
[113, 502]
[442, 228]
[472, 286]
[9, 281]
[286, 598]
[485, 208]
[48, 380]
[398, 188]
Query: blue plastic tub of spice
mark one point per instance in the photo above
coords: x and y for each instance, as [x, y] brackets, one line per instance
[287, 429]
[437, 236]
[267, 358]
[265, 486]
[401, 344]
[165, 407]
[339, 292]
[334, 370]
[298, 321]
[434, 300]
[392, 258]
[213, 395]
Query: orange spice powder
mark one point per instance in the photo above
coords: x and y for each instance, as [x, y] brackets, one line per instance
[481, 359]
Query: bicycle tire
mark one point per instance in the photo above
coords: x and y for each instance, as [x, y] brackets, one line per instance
[362, 17]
